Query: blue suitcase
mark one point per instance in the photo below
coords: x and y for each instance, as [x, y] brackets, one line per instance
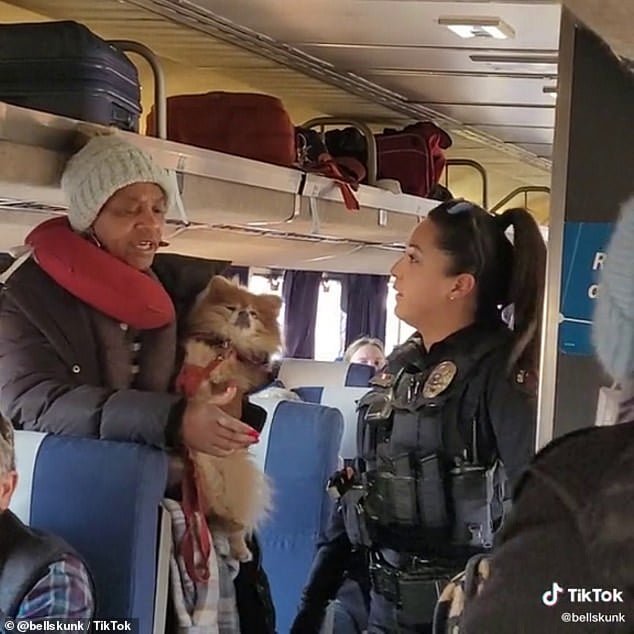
[65, 69]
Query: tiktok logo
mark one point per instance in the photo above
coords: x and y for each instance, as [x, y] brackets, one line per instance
[550, 597]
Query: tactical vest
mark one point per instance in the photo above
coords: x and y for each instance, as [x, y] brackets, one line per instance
[431, 485]
[25, 555]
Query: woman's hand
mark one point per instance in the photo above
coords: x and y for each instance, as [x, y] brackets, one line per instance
[208, 429]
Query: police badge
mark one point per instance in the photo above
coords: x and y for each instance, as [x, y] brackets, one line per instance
[439, 379]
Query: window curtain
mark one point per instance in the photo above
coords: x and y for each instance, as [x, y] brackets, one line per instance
[300, 291]
[364, 300]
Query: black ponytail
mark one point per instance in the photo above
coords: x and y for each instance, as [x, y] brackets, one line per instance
[507, 271]
[526, 285]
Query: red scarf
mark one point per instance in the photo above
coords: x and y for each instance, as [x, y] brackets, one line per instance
[99, 279]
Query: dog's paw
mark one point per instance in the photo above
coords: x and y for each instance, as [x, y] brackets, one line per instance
[243, 555]
[239, 549]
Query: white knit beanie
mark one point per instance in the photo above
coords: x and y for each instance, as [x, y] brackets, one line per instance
[103, 166]
[613, 329]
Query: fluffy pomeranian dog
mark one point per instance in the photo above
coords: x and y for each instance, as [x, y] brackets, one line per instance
[230, 337]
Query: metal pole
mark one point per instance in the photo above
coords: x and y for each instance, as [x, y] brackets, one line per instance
[516, 192]
[480, 169]
[550, 330]
[160, 100]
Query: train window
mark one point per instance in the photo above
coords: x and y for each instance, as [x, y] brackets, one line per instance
[330, 327]
[270, 285]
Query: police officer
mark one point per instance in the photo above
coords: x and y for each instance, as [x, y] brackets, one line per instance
[450, 422]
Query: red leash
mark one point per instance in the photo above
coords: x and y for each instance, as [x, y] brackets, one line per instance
[196, 528]
[197, 533]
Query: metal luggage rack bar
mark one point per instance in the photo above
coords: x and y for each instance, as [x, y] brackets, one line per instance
[9, 205]
[283, 235]
[160, 94]
[478, 167]
[526, 189]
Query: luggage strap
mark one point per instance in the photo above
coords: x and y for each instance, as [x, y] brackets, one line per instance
[327, 166]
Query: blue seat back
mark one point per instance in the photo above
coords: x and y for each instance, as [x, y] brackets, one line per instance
[345, 399]
[103, 498]
[304, 372]
[298, 451]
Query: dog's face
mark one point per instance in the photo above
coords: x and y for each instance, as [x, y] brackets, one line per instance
[231, 312]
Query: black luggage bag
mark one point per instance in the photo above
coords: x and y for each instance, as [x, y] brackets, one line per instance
[65, 69]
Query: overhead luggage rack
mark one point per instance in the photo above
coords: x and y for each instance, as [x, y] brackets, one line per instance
[217, 189]
[35, 145]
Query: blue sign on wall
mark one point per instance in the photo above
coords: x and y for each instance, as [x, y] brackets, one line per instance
[583, 256]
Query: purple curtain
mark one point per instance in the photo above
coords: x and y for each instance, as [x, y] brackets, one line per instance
[300, 291]
[364, 300]
[239, 272]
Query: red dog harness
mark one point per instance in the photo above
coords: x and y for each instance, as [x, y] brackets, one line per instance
[192, 376]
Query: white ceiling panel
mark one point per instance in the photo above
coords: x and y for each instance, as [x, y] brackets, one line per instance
[520, 135]
[484, 114]
[541, 149]
[471, 90]
[452, 59]
[387, 21]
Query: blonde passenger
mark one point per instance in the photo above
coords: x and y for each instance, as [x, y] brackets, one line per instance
[366, 351]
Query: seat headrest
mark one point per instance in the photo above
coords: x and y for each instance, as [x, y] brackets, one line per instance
[103, 498]
[307, 372]
[344, 399]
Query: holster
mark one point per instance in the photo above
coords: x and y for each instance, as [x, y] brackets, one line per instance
[414, 591]
[354, 516]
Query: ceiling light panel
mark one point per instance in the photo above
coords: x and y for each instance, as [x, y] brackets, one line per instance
[470, 27]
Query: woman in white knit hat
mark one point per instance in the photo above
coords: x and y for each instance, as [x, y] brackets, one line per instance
[572, 527]
[89, 323]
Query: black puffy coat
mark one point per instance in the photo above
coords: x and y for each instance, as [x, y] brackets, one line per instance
[51, 381]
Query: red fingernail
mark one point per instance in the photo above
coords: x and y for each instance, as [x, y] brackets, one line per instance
[254, 434]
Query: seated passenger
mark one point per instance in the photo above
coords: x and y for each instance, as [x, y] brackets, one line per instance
[41, 576]
[366, 351]
[89, 325]
[573, 526]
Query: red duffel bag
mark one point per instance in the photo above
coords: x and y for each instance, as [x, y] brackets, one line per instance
[414, 156]
[250, 125]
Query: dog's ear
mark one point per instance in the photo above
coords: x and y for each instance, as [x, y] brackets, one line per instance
[270, 303]
[217, 286]
[214, 287]
[235, 281]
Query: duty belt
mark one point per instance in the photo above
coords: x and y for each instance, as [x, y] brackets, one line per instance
[411, 584]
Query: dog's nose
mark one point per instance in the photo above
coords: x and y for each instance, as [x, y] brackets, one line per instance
[243, 320]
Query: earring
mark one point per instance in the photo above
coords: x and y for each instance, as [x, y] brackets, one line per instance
[92, 236]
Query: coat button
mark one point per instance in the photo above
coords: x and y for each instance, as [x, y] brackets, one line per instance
[76, 369]
[123, 326]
